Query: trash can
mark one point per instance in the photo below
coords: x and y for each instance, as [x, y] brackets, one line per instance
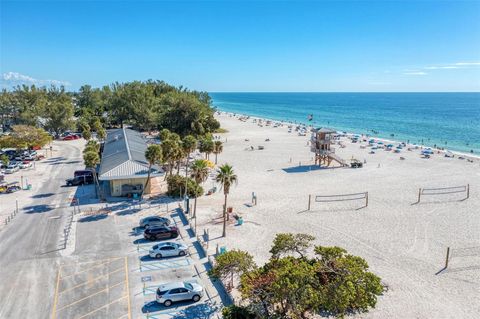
[240, 221]
[229, 209]
[29, 186]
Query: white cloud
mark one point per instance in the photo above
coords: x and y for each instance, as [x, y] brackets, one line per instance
[457, 65]
[415, 73]
[14, 78]
[468, 63]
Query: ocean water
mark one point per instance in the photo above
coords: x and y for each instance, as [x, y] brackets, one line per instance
[449, 120]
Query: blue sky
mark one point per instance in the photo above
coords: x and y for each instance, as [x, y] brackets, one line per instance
[244, 46]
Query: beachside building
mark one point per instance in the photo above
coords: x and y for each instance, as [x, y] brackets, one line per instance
[321, 144]
[123, 165]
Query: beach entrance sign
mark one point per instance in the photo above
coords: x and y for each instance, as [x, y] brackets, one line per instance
[464, 189]
[363, 196]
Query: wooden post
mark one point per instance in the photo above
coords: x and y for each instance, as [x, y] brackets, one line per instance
[309, 201]
[419, 194]
[366, 199]
[446, 259]
[468, 190]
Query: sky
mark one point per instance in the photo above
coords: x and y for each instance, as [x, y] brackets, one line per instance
[244, 46]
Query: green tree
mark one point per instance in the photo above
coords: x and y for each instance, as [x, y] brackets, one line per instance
[232, 263]
[285, 244]
[189, 144]
[199, 174]
[333, 282]
[87, 134]
[4, 159]
[237, 312]
[164, 134]
[153, 154]
[59, 111]
[25, 136]
[91, 159]
[226, 177]
[217, 149]
[206, 146]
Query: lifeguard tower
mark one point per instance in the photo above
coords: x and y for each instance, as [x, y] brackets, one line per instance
[321, 142]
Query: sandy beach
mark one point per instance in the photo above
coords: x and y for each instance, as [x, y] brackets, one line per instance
[404, 243]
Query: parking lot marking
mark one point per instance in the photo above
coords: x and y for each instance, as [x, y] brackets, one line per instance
[108, 304]
[94, 294]
[54, 310]
[128, 288]
[93, 279]
[102, 263]
[165, 265]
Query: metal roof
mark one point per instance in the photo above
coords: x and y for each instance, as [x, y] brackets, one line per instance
[326, 130]
[124, 156]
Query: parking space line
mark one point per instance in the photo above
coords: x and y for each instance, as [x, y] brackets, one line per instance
[164, 265]
[88, 281]
[108, 304]
[54, 310]
[103, 263]
[94, 294]
[128, 288]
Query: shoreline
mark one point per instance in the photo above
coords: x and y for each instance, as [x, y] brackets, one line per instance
[471, 156]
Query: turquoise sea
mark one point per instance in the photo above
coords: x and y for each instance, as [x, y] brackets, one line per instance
[449, 120]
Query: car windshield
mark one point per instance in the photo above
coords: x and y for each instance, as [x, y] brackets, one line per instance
[155, 247]
[188, 286]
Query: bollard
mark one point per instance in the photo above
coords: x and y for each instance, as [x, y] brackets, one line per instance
[8, 218]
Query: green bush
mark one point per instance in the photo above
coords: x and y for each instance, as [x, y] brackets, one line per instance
[236, 312]
[176, 187]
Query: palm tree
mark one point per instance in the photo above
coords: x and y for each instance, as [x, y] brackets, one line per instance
[154, 155]
[217, 149]
[226, 177]
[169, 149]
[189, 144]
[199, 174]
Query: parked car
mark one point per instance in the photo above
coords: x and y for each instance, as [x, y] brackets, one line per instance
[68, 138]
[154, 221]
[83, 173]
[25, 164]
[12, 168]
[168, 249]
[13, 187]
[178, 291]
[160, 232]
[80, 180]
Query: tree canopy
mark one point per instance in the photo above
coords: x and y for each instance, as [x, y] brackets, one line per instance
[327, 281]
[146, 105]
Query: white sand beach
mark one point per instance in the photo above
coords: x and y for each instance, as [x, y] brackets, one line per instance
[404, 244]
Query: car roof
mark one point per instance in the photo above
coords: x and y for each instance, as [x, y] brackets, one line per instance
[172, 285]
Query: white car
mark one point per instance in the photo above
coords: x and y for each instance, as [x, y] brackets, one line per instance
[12, 168]
[25, 165]
[168, 249]
[178, 291]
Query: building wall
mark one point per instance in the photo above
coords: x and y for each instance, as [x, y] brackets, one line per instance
[116, 185]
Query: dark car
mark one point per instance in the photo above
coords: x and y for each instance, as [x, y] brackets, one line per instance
[154, 221]
[80, 180]
[85, 172]
[160, 232]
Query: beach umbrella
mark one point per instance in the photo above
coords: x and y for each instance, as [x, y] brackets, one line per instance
[390, 145]
[380, 143]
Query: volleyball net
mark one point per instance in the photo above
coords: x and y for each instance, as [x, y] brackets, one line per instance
[363, 196]
[443, 191]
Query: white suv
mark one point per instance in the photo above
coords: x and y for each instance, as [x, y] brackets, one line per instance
[178, 291]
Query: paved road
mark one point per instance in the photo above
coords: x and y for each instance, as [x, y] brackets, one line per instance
[29, 245]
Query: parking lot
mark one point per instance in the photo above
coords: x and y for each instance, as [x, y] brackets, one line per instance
[95, 289]
[147, 273]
